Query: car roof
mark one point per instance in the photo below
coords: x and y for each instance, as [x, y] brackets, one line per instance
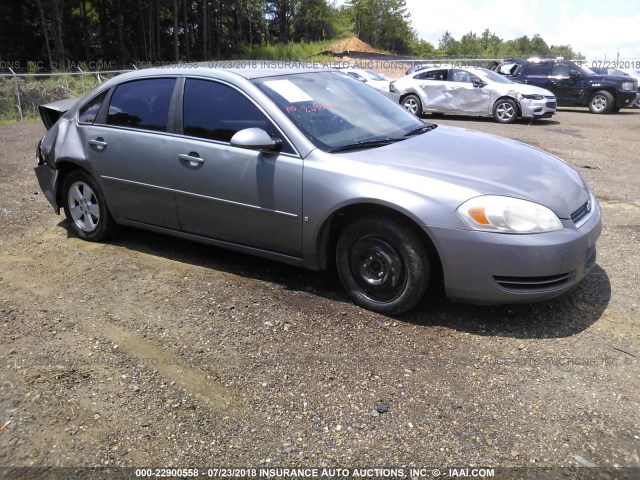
[217, 70]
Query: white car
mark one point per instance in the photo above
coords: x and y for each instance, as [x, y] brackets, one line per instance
[371, 78]
[473, 91]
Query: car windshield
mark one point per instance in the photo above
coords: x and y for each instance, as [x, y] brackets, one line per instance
[493, 76]
[334, 110]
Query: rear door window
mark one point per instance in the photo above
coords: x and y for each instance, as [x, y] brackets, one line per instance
[436, 75]
[142, 104]
[538, 69]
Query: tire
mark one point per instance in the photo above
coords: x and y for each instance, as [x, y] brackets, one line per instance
[85, 208]
[505, 110]
[601, 102]
[412, 104]
[383, 265]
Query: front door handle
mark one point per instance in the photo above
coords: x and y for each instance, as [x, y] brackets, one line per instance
[192, 158]
[98, 143]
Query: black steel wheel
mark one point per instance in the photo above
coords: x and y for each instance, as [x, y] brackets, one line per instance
[383, 264]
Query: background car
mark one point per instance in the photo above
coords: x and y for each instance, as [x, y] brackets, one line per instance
[371, 78]
[635, 74]
[572, 84]
[609, 71]
[616, 72]
[315, 169]
[418, 67]
[472, 91]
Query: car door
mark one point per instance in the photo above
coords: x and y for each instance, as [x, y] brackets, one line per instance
[465, 96]
[538, 74]
[128, 148]
[566, 88]
[228, 193]
[434, 86]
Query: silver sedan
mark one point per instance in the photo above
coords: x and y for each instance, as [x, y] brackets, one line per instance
[314, 169]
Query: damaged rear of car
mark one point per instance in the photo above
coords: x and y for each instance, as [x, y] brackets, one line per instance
[46, 172]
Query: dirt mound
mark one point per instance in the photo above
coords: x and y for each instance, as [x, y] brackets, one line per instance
[352, 44]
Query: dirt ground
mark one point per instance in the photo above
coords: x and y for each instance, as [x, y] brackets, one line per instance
[152, 352]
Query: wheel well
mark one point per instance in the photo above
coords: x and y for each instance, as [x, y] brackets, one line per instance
[407, 94]
[333, 226]
[64, 168]
[611, 90]
[509, 98]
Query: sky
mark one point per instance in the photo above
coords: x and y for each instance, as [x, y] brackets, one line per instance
[594, 28]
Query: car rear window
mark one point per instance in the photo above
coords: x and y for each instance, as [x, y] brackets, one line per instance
[142, 104]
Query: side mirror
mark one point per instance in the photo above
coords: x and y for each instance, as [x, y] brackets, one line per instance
[478, 84]
[574, 74]
[256, 139]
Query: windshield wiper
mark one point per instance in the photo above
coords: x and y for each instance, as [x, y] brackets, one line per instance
[380, 142]
[422, 129]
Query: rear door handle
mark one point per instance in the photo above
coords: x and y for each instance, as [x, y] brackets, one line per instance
[98, 143]
[192, 158]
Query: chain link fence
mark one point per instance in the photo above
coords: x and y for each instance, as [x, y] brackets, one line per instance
[20, 94]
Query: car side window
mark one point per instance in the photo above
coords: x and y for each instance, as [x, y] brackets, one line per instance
[560, 70]
[88, 113]
[460, 76]
[436, 75]
[216, 111]
[538, 69]
[142, 104]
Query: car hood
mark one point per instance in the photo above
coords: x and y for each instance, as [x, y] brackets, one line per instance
[487, 164]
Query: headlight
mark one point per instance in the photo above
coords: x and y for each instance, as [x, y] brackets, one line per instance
[532, 97]
[491, 213]
[628, 86]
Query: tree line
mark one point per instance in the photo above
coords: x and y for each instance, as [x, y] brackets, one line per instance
[489, 45]
[60, 32]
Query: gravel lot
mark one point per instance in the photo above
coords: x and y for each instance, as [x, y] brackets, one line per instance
[152, 352]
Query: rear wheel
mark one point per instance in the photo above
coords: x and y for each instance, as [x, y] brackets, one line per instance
[412, 104]
[383, 264]
[85, 208]
[505, 110]
[601, 102]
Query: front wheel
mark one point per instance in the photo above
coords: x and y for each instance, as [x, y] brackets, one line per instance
[85, 208]
[412, 104]
[383, 265]
[601, 102]
[505, 110]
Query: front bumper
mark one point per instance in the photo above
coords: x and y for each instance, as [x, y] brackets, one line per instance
[484, 267]
[544, 108]
[626, 99]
